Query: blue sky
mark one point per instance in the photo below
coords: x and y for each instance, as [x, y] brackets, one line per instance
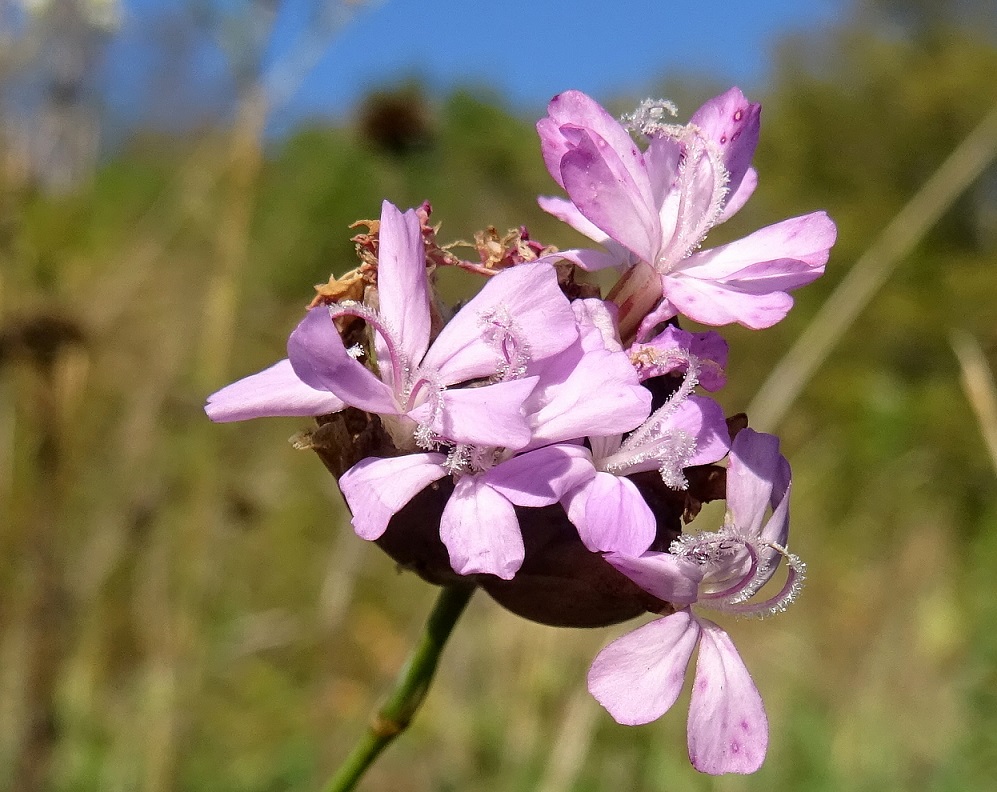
[531, 49]
[528, 50]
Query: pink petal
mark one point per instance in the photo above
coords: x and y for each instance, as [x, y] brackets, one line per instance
[553, 146]
[567, 212]
[807, 239]
[751, 472]
[691, 208]
[727, 729]
[758, 477]
[709, 348]
[766, 277]
[699, 417]
[666, 576]
[661, 312]
[541, 318]
[481, 532]
[597, 395]
[271, 392]
[597, 325]
[731, 123]
[638, 677]
[739, 197]
[611, 516]
[491, 415]
[704, 419]
[594, 260]
[604, 192]
[319, 358]
[541, 477]
[402, 286]
[777, 528]
[715, 303]
[573, 111]
[590, 260]
[377, 489]
[662, 159]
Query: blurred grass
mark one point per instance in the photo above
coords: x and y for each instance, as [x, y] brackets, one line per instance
[184, 606]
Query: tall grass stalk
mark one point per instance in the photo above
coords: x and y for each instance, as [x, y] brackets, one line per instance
[979, 386]
[571, 745]
[44, 613]
[176, 667]
[791, 374]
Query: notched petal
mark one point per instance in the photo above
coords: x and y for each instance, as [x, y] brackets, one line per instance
[377, 489]
[638, 677]
[481, 532]
[275, 391]
[728, 728]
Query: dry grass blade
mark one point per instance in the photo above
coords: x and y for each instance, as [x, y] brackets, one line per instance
[978, 383]
[870, 272]
[574, 738]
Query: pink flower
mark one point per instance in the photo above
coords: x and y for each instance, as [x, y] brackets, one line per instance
[638, 677]
[674, 349]
[588, 389]
[275, 391]
[519, 316]
[686, 430]
[651, 209]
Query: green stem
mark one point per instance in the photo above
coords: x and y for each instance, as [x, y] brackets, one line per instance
[410, 689]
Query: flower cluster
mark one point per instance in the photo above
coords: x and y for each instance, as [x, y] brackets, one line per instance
[538, 403]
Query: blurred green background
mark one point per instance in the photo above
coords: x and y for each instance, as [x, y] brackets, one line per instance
[183, 605]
